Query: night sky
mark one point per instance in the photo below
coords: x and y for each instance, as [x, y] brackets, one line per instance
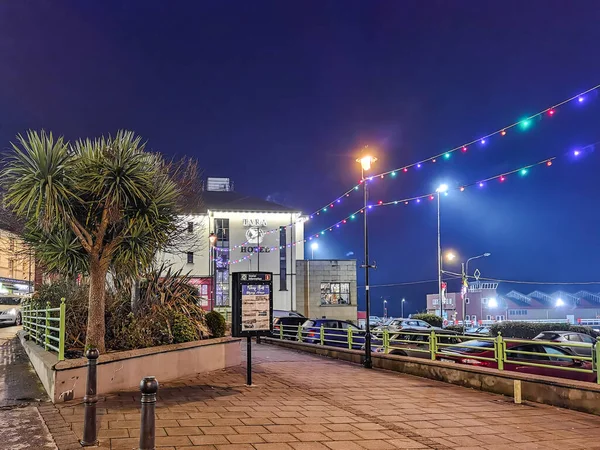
[281, 95]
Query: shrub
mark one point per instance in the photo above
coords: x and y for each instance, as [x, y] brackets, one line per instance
[216, 324]
[431, 319]
[457, 328]
[528, 330]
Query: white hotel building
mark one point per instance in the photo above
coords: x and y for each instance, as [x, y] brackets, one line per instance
[237, 225]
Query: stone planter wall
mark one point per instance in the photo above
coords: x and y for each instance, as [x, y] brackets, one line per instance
[121, 371]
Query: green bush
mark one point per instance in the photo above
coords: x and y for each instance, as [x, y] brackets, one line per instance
[216, 324]
[431, 319]
[457, 328]
[183, 329]
[528, 330]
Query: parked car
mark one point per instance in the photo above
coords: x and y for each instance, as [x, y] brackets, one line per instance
[478, 331]
[553, 356]
[289, 326]
[335, 333]
[569, 336]
[400, 324]
[415, 345]
[284, 313]
[10, 311]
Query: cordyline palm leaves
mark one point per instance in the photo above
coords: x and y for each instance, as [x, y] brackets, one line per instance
[91, 206]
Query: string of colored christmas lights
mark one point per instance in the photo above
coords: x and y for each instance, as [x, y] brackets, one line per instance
[523, 170]
[523, 123]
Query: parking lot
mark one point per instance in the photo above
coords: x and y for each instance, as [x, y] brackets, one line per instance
[306, 402]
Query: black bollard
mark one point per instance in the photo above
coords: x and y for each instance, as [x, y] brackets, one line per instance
[149, 388]
[90, 432]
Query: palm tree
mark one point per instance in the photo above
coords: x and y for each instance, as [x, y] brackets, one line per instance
[91, 206]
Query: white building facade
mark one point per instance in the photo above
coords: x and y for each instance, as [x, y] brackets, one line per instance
[237, 233]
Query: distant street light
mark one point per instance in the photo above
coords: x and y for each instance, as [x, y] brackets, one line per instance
[365, 164]
[560, 302]
[403, 300]
[314, 246]
[493, 303]
[385, 309]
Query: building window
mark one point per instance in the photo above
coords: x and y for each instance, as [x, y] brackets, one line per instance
[282, 259]
[467, 317]
[335, 293]
[467, 301]
[190, 257]
[221, 262]
[517, 312]
[190, 227]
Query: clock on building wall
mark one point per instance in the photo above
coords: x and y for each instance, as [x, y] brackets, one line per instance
[255, 235]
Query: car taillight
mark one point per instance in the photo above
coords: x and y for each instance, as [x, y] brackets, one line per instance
[276, 327]
[311, 334]
[474, 362]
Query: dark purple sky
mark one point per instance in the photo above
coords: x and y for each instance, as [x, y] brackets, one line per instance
[279, 96]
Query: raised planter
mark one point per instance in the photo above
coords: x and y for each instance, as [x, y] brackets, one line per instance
[121, 371]
[571, 394]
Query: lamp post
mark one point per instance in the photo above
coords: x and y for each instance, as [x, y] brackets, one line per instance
[212, 240]
[402, 307]
[440, 190]
[365, 164]
[385, 309]
[465, 283]
[314, 246]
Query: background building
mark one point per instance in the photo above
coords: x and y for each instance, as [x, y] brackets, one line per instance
[17, 268]
[233, 227]
[327, 288]
[483, 302]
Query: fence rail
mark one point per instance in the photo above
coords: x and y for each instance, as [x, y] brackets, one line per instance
[46, 327]
[444, 346]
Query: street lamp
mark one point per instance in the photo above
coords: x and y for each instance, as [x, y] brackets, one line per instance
[560, 302]
[402, 314]
[314, 246]
[440, 190]
[385, 309]
[365, 164]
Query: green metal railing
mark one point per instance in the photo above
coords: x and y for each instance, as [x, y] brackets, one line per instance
[434, 346]
[46, 326]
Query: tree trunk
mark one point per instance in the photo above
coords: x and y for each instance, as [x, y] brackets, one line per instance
[135, 295]
[96, 327]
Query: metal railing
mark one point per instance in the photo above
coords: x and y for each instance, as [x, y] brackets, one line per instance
[437, 346]
[46, 326]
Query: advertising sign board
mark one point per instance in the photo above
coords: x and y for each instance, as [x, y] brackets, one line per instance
[252, 304]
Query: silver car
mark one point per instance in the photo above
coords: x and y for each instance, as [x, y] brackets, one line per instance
[10, 311]
[400, 324]
[569, 336]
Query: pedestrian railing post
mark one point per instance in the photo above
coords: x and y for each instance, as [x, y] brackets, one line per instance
[597, 353]
[349, 338]
[322, 335]
[90, 432]
[46, 329]
[299, 333]
[149, 388]
[62, 328]
[281, 331]
[386, 341]
[500, 351]
[432, 345]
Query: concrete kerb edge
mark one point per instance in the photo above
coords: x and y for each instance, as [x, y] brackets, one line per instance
[574, 395]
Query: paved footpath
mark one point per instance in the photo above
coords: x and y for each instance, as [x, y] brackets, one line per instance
[306, 402]
[21, 393]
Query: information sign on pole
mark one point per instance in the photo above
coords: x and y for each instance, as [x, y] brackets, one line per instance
[252, 309]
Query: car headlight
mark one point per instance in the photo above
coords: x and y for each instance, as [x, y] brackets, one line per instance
[10, 312]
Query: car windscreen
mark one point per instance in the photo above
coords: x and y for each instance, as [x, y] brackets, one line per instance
[308, 324]
[547, 336]
[473, 347]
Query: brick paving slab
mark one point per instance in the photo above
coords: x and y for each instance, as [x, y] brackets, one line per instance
[305, 402]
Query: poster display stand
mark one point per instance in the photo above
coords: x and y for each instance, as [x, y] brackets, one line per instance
[252, 309]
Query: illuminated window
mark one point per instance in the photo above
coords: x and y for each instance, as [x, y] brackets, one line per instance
[335, 293]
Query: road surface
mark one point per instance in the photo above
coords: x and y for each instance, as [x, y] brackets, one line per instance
[21, 426]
